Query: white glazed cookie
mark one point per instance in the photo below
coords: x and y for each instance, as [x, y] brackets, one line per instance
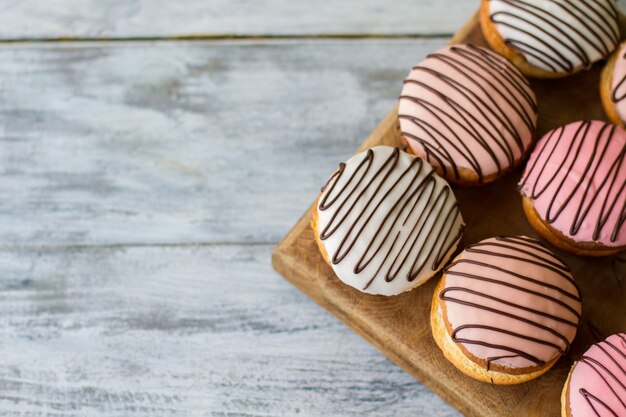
[558, 36]
[387, 222]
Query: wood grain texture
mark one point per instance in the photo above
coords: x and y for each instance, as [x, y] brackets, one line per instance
[33, 19]
[399, 326]
[117, 157]
[177, 143]
[152, 331]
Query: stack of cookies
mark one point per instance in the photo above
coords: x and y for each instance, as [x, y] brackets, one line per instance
[505, 308]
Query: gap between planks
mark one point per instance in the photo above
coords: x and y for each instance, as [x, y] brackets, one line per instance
[104, 246]
[228, 37]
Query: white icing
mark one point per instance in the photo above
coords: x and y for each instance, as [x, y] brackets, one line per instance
[555, 35]
[428, 221]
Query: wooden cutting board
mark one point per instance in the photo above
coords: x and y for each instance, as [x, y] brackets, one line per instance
[399, 326]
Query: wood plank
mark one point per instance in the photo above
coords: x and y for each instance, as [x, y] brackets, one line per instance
[32, 19]
[182, 142]
[399, 326]
[148, 331]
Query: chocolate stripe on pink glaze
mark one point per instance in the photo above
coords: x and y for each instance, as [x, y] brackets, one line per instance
[467, 107]
[387, 221]
[618, 86]
[558, 35]
[576, 178]
[597, 386]
[510, 301]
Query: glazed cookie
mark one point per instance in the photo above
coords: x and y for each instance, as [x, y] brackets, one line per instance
[596, 386]
[613, 87]
[551, 38]
[385, 222]
[574, 188]
[469, 112]
[505, 310]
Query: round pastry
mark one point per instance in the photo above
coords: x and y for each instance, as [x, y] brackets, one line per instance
[505, 310]
[613, 87]
[596, 386]
[551, 38]
[385, 222]
[574, 188]
[469, 112]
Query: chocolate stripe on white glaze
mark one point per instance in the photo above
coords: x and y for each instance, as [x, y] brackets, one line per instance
[597, 386]
[576, 177]
[558, 35]
[467, 107]
[387, 221]
[512, 302]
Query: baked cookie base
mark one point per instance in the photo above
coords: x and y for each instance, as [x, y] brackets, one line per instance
[606, 87]
[561, 241]
[467, 177]
[565, 406]
[497, 43]
[454, 353]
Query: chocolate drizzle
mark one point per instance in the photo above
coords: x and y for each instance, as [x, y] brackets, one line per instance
[390, 217]
[612, 385]
[558, 35]
[546, 305]
[589, 188]
[619, 91]
[480, 116]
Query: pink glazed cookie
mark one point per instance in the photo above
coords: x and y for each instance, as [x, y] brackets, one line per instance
[469, 112]
[505, 310]
[596, 386]
[574, 188]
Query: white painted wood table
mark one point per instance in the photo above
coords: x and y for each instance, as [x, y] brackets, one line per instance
[149, 163]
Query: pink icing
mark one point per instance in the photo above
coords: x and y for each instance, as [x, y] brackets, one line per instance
[467, 107]
[597, 387]
[576, 177]
[618, 86]
[495, 283]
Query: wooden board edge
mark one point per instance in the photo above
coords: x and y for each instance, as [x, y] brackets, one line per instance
[285, 267]
[283, 264]
[467, 28]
